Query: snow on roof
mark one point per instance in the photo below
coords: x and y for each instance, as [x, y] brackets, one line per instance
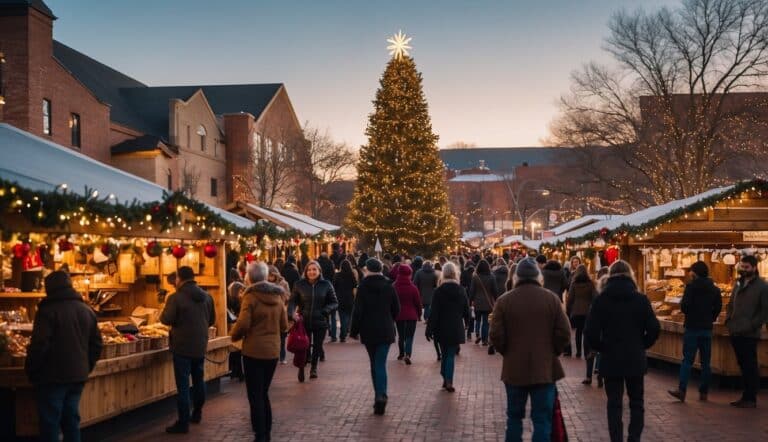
[468, 236]
[477, 178]
[307, 219]
[283, 220]
[41, 165]
[579, 223]
[518, 239]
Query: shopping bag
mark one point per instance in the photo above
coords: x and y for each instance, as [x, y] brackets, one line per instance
[298, 341]
[558, 423]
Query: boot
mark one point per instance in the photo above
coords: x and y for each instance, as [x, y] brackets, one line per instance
[301, 374]
[491, 350]
[703, 396]
[407, 360]
[177, 428]
[313, 373]
[380, 405]
[678, 394]
[197, 416]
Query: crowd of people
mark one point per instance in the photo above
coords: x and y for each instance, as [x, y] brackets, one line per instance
[523, 308]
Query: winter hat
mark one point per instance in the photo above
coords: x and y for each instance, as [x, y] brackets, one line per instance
[56, 281]
[700, 269]
[527, 269]
[405, 271]
[373, 265]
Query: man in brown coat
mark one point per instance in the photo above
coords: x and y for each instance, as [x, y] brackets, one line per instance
[530, 329]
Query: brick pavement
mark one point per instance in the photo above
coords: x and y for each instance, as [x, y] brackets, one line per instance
[338, 405]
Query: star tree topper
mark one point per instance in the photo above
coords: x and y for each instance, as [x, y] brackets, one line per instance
[399, 45]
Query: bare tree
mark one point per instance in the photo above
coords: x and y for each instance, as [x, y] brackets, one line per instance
[323, 163]
[666, 114]
[190, 179]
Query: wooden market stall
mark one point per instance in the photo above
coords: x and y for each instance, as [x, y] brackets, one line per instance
[60, 210]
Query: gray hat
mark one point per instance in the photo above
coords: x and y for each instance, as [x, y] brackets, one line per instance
[373, 265]
[527, 269]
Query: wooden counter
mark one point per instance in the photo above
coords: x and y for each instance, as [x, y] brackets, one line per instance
[669, 347]
[115, 386]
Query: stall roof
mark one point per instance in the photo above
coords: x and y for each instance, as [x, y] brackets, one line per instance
[39, 164]
[281, 220]
[307, 219]
[579, 223]
[477, 178]
[517, 239]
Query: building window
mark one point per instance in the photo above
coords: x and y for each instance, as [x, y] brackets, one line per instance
[47, 117]
[170, 180]
[202, 133]
[74, 127]
[214, 187]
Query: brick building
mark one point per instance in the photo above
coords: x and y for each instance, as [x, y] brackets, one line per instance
[199, 139]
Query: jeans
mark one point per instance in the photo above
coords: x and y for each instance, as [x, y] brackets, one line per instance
[58, 411]
[701, 341]
[427, 311]
[542, 405]
[481, 326]
[614, 390]
[378, 357]
[345, 318]
[746, 355]
[315, 350]
[183, 368]
[448, 362]
[258, 377]
[405, 332]
[283, 337]
[332, 318]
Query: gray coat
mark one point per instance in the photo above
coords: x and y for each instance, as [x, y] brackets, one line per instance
[748, 309]
[189, 312]
[426, 281]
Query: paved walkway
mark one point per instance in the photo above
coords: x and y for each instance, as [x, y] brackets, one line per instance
[338, 405]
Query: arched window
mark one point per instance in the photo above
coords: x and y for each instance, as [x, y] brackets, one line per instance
[202, 133]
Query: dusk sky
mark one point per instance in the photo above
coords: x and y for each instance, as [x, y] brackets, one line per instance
[493, 70]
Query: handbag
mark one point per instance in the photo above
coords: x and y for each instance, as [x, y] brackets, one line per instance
[559, 434]
[485, 292]
[297, 341]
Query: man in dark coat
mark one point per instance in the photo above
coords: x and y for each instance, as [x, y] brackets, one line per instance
[426, 281]
[291, 272]
[465, 280]
[621, 326]
[66, 343]
[373, 321]
[189, 312]
[702, 302]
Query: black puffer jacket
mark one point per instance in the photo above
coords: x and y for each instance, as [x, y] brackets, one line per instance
[291, 274]
[450, 313]
[482, 292]
[501, 273]
[621, 326]
[189, 312]
[426, 281]
[344, 284]
[555, 280]
[376, 307]
[66, 342]
[702, 302]
[314, 301]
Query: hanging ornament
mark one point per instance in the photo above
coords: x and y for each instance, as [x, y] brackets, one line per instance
[65, 245]
[210, 250]
[21, 250]
[154, 249]
[156, 209]
[178, 251]
[250, 257]
[604, 232]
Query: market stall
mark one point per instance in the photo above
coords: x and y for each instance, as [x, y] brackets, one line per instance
[118, 255]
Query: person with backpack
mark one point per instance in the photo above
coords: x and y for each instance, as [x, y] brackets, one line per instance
[482, 295]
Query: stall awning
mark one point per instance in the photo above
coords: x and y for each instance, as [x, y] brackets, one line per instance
[579, 223]
[41, 165]
[286, 222]
[307, 219]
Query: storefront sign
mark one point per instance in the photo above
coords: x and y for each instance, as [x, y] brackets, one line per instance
[761, 235]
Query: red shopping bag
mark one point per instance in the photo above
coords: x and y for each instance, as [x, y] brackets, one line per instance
[558, 423]
[298, 343]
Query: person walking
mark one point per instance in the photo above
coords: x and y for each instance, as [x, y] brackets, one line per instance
[465, 279]
[345, 283]
[262, 321]
[446, 323]
[501, 273]
[291, 272]
[426, 279]
[581, 293]
[745, 316]
[621, 326]
[410, 312]
[702, 302]
[530, 329]
[329, 270]
[189, 312]
[373, 322]
[313, 298]
[555, 278]
[482, 295]
[234, 294]
[65, 346]
[275, 277]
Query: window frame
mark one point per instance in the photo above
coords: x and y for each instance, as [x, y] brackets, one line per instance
[75, 128]
[47, 117]
[214, 188]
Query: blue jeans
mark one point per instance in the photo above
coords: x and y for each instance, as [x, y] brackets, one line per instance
[542, 404]
[332, 317]
[448, 362]
[183, 368]
[58, 411]
[481, 325]
[345, 318]
[701, 341]
[427, 311]
[378, 356]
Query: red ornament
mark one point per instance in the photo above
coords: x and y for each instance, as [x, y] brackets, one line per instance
[604, 232]
[170, 208]
[65, 246]
[21, 249]
[249, 257]
[210, 250]
[178, 251]
[154, 249]
[156, 209]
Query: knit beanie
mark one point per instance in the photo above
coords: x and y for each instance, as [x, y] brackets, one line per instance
[527, 269]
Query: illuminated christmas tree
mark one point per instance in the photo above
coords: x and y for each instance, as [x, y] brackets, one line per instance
[400, 197]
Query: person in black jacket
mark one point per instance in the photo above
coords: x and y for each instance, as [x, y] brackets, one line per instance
[344, 283]
[702, 302]
[189, 312]
[329, 271]
[482, 295]
[314, 298]
[291, 272]
[450, 313]
[66, 343]
[373, 321]
[466, 280]
[621, 325]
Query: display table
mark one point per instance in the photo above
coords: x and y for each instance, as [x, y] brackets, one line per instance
[669, 347]
[115, 386]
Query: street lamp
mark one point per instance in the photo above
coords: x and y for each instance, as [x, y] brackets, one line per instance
[534, 225]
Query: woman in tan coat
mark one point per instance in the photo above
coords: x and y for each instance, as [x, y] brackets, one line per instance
[261, 321]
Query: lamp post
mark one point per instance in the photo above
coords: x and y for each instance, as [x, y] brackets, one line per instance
[515, 195]
[534, 225]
